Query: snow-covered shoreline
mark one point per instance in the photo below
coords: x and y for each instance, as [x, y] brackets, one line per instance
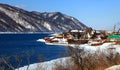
[88, 47]
[49, 65]
[26, 32]
[115, 67]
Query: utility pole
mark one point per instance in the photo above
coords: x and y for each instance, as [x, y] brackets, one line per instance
[114, 30]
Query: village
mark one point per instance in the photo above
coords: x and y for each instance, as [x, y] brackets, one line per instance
[86, 36]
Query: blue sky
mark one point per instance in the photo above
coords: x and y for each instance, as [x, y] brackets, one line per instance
[98, 14]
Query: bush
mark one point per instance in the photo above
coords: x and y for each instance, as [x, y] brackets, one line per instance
[89, 61]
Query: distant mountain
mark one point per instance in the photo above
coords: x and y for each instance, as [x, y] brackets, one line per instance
[14, 19]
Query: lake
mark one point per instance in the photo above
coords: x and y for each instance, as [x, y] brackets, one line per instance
[27, 47]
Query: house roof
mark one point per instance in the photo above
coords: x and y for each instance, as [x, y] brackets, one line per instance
[114, 37]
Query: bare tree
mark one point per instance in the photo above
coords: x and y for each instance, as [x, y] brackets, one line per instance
[28, 56]
[2, 67]
[93, 61]
[41, 58]
[19, 60]
[6, 61]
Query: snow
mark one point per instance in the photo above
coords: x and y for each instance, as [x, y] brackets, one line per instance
[88, 48]
[15, 17]
[54, 34]
[115, 67]
[55, 17]
[50, 15]
[48, 26]
[41, 40]
[3, 20]
[102, 48]
[77, 31]
[50, 65]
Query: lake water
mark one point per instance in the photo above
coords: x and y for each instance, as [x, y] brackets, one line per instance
[26, 46]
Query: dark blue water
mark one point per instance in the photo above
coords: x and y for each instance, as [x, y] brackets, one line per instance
[26, 46]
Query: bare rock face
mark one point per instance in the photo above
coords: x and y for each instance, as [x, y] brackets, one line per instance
[14, 19]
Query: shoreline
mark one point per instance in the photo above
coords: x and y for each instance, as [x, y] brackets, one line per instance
[26, 32]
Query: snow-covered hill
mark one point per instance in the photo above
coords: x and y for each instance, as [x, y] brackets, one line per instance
[14, 19]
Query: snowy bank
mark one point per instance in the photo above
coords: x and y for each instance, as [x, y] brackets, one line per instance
[48, 65]
[101, 48]
[115, 67]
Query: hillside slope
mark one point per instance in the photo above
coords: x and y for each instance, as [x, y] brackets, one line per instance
[14, 19]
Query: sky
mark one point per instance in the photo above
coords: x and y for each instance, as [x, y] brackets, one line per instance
[98, 14]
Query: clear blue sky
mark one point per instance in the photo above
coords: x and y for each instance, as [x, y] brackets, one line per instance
[98, 14]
